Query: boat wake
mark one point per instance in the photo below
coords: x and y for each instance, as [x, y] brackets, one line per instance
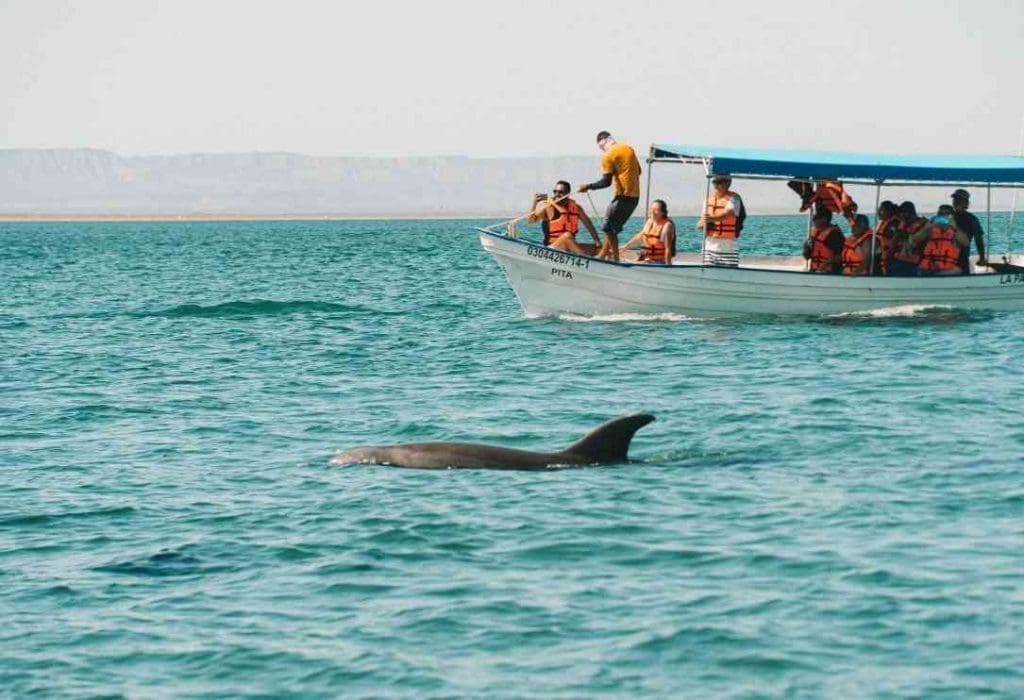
[626, 318]
[906, 311]
[911, 313]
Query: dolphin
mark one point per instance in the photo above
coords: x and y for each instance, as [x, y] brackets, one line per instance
[606, 444]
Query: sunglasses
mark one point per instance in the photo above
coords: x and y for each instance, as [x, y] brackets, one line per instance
[560, 192]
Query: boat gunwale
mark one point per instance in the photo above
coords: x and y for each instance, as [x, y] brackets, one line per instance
[700, 266]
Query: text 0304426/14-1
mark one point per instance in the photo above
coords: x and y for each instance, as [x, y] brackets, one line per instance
[558, 258]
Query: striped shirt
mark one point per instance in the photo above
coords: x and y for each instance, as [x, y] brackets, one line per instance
[721, 252]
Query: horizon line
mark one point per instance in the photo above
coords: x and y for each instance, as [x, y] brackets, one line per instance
[197, 217]
[176, 154]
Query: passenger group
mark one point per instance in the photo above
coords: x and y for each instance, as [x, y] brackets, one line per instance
[901, 243]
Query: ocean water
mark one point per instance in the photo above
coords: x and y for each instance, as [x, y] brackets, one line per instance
[825, 507]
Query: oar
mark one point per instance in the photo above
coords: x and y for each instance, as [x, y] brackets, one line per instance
[1003, 267]
[593, 208]
[506, 224]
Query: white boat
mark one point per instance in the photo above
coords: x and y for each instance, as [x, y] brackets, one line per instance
[552, 282]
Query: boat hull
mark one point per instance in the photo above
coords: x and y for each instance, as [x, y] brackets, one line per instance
[550, 282]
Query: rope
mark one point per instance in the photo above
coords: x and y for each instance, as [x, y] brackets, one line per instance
[593, 208]
[510, 222]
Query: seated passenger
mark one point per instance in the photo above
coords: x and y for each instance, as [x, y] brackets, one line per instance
[885, 231]
[563, 216]
[824, 245]
[857, 249]
[658, 236]
[904, 256]
[941, 243]
[828, 195]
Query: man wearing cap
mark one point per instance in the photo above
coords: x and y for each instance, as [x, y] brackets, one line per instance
[722, 223]
[969, 224]
[619, 165]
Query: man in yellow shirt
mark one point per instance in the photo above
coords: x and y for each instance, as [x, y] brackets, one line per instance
[619, 165]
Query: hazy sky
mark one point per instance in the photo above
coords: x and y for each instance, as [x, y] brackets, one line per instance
[514, 78]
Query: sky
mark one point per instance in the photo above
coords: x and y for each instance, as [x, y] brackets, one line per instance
[510, 79]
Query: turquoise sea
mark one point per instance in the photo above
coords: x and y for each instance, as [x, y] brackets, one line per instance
[826, 507]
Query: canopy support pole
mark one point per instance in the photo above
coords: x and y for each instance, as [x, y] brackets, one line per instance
[878, 197]
[650, 172]
[1013, 204]
[988, 223]
[1009, 225]
[703, 213]
[810, 227]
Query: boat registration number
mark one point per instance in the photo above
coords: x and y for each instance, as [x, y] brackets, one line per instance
[557, 257]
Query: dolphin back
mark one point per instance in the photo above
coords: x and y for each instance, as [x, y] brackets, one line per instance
[609, 442]
[606, 444]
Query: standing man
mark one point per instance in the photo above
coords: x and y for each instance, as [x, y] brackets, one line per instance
[619, 165]
[722, 223]
[969, 224]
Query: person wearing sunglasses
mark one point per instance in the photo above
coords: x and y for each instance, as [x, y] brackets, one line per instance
[561, 216]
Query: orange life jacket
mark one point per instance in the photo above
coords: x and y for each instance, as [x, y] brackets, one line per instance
[911, 258]
[569, 221]
[942, 252]
[823, 258]
[832, 196]
[725, 227]
[884, 232]
[654, 244]
[852, 257]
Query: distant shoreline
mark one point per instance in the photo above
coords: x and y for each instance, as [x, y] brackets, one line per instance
[155, 218]
[170, 218]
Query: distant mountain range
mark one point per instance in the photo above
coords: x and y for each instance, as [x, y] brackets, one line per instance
[96, 182]
[89, 182]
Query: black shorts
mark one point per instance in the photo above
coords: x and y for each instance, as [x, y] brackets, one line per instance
[619, 211]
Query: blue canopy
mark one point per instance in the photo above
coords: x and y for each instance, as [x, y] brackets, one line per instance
[995, 170]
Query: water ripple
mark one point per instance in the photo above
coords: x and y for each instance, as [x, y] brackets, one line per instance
[826, 507]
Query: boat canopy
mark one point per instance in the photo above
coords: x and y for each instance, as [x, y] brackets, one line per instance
[872, 167]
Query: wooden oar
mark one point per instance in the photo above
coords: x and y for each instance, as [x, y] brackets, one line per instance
[520, 218]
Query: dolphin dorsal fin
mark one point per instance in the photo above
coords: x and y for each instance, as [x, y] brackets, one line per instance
[609, 442]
